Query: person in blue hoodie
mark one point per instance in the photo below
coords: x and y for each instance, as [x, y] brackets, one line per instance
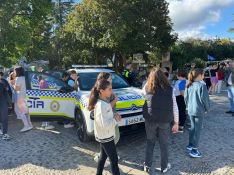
[198, 103]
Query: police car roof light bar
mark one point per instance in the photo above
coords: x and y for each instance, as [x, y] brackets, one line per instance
[89, 66]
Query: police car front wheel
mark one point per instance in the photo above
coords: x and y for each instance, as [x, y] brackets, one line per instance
[81, 127]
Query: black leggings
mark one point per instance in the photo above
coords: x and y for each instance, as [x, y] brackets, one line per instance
[182, 109]
[108, 149]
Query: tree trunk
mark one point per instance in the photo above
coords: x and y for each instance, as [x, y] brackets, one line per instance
[122, 57]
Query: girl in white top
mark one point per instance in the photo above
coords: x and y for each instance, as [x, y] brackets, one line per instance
[104, 125]
[21, 104]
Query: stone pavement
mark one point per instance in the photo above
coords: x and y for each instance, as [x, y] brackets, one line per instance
[59, 152]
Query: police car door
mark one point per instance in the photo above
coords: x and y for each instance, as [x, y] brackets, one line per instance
[48, 98]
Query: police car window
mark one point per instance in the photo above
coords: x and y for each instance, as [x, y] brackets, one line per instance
[40, 81]
[117, 81]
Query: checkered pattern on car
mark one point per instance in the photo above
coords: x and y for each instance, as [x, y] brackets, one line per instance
[39, 93]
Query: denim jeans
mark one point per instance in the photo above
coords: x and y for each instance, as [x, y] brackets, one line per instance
[154, 130]
[231, 97]
[195, 130]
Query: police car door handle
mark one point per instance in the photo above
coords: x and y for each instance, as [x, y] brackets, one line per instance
[34, 98]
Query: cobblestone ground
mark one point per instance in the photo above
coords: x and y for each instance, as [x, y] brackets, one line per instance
[59, 152]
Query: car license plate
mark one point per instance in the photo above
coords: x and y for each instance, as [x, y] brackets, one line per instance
[134, 120]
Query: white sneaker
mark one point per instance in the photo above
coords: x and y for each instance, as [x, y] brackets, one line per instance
[6, 137]
[1, 133]
[69, 125]
[146, 168]
[26, 128]
[166, 169]
[49, 127]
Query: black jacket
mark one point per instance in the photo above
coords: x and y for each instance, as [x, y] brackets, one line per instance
[158, 107]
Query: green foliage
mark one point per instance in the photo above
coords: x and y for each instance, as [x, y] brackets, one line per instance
[194, 50]
[117, 26]
[27, 28]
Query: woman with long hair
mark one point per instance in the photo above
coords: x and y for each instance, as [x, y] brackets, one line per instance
[197, 102]
[160, 110]
[104, 125]
[21, 104]
[112, 100]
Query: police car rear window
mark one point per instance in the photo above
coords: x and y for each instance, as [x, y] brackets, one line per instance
[87, 81]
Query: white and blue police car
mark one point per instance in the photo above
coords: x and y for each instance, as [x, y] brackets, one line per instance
[52, 99]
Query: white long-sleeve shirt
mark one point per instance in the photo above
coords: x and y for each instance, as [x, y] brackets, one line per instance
[104, 122]
[175, 106]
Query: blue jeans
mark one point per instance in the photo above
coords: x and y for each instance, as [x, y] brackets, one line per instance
[195, 130]
[231, 97]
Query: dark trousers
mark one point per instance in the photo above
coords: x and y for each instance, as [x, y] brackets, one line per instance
[208, 83]
[154, 130]
[182, 109]
[4, 117]
[195, 130]
[108, 150]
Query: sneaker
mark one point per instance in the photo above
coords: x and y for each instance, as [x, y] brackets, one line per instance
[26, 128]
[1, 133]
[69, 125]
[229, 112]
[181, 129]
[189, 147]
[6, 137]
[146, 168]
[195, 153]
[49, 127]
[167, 168]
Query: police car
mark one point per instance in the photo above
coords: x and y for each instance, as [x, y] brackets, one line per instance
[56, 100]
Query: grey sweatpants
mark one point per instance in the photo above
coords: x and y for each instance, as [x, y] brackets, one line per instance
[153, 131]
[4, 117]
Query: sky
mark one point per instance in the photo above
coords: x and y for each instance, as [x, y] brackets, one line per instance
[202, 18]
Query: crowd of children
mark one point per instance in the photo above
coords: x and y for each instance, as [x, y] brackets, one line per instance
[165, 109]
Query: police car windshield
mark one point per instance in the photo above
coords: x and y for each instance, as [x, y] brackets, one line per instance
[87, 81]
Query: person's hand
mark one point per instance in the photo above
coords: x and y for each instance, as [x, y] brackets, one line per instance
[116, 98]
[118, 117]
[175, 127]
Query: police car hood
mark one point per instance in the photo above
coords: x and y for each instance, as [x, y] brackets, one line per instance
[128, 98]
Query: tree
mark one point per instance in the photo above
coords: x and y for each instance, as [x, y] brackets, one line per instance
[119, 27]
[30, 28]
[25, 29]
[195, 50]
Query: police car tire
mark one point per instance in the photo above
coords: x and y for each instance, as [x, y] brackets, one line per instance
[81, 127]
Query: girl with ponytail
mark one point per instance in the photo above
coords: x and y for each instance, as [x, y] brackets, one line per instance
[197, 102]
[104, 124]
[112, 100]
